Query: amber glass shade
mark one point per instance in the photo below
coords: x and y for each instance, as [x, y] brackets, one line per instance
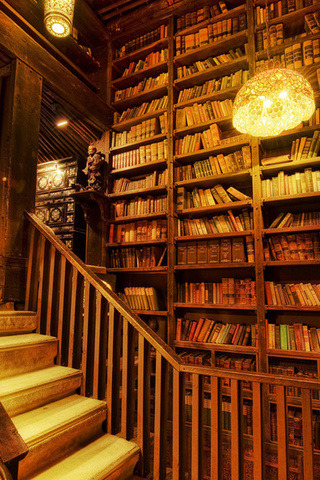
[58, 16]
[273, 101]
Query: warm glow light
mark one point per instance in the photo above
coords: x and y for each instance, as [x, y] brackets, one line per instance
[62, 123]
[58, 16]
[273, 101]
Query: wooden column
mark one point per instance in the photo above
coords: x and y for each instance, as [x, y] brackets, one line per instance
[21, 98]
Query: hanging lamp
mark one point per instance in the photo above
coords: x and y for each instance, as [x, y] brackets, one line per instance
[58, 16]
[273, 100]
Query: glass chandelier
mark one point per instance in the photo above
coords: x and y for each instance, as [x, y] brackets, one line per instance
[58, 16]
[273, 101]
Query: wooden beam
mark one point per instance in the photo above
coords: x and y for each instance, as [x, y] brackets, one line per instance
[17, 43]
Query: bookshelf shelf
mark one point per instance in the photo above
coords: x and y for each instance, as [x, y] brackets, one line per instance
[120, 127]
[223, 69]
[288, 263]
[141, 191]
[222, 121]
[217, 347]
[290, 166]
[132, 218]
[137, 169]
[209, 266]
[205, 152]
[294, 401]
[305, 197]
[215, 235]
[144, 96]
[160, 313]
[214, 306]
[293, 19]
[221, 207]
[293, 308]
[139, 53]
[292, 354]
[279, 231]
[128, 80]
[144, 270]
[212, 49]
[278, 49]
[137, 243]
[207, 182]
[217, 95]
[138, 143]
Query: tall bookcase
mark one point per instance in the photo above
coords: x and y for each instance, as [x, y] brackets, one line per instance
[220, 195]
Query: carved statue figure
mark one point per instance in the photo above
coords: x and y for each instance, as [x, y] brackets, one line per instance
[94, 169]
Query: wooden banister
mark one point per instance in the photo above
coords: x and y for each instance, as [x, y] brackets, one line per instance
[146, 384]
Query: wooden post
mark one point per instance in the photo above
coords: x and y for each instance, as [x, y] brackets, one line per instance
[18, 166]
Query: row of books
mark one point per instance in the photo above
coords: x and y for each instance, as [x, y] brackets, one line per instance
[270, 38]
[294, 337]
[141, 298]
[224, 250]
[199, 197]
[294, 427]
[213, 32]
[216, 165]
[151, 59]
[214, 85]
[202, 113]
[292, 294]
[144, 154]
[198, 16]
[155, 179]
[302, 246]
[210, 62]
[141, 41]
[299, 182]
[210, 331]
[231, 291]
[287, 219]
[138, 231]
[312, 22]
[191, 143]
[241, 222]
[146, 129]
[143, 86]
[139, 110]
[305, 147]
[292, 370]
[140, 206]
[147, 257]
[277, 9]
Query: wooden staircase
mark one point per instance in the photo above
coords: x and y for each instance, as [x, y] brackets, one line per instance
[63, 430]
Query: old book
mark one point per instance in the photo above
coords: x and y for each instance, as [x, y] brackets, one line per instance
[182, 254]
[235, 193]
[192, 253]
[202, 253]
[238, 251]
[213, 251]
[225, 250]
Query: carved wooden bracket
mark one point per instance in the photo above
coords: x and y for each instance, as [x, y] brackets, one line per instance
[88, 199]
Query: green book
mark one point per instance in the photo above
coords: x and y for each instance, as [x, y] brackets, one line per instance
[283, 337]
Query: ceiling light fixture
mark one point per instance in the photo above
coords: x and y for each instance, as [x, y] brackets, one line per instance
[58, 16]
[60, 120]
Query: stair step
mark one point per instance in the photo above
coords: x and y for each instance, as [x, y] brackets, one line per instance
[108, 458]
[21, 393]
[12, 322]
[58, 429]
[23, 353]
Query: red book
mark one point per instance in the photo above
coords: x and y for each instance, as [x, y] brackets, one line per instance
[197, 330]
[192, 330]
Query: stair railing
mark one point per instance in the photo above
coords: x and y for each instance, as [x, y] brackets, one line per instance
[190, 422]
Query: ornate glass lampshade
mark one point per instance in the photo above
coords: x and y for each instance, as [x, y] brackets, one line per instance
[273, 101]
[58, 16]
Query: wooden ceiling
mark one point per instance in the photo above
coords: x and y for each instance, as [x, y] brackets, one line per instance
[111, 11]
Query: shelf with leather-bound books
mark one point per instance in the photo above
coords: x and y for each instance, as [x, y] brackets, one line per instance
[140, 168]
[183, 238]
[119, 62]
[137, 143]
[215, 347]
[143, 96]
[205, 181]
[213, 306]
[139, 191]
[209, 266]
[152, 70]
[224, 121]
[143, 270]
[121, 126]
[146, 216]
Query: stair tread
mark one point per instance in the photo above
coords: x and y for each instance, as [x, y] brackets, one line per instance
[31, 379]
[49, 419]
[93, 462]
[11, 341]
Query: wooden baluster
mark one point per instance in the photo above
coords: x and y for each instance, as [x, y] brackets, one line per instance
[113, 370]
[103, 322]
[61, 288]
[216, 430]
[235, 431]
[178, 427]
[197, 427]
[30, 280]
[160, 414]
[308, 460]
[85, 337]
[257, 431]
[128, 376]
[52, 257]
[96, 350]
[143, 413]
[74, 285]
[282, 433]
[41, 278]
